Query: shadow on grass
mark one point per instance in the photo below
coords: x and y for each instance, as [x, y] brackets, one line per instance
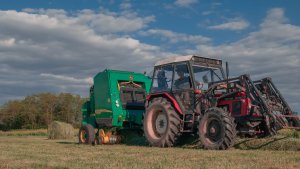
[128, 138]
[185, 141]
[137, 139]
[133, 138]
[68, 142]
[262, 143]
[191, 142]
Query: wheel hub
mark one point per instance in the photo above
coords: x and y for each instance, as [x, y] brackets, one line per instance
[214, 130]
[161, 123]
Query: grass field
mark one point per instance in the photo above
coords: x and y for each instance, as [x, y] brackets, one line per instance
[37, 132]
[39, 152]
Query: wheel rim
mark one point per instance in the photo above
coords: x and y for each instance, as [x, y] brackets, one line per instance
[83, 136]
[161, 123]
[213, 130]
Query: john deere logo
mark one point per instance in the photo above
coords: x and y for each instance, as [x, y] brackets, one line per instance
[131, 78]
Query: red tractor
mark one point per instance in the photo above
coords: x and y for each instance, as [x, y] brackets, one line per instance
[192, 94]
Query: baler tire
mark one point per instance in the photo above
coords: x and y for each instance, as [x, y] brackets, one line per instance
[220, 135]
[88, 132]
[161, 107]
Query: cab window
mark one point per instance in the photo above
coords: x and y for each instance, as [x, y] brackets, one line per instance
[182, 78]
[162, 78]
[203, 76]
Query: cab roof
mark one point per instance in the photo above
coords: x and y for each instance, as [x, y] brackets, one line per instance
[198, 60]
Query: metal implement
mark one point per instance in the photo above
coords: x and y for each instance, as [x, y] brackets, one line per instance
[108, 138]
[117, 101]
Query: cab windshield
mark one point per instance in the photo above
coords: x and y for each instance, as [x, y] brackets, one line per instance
[206, 75]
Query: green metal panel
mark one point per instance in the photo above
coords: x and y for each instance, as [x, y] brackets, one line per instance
[101, 91]
[135, 116]
[86, 111]
[115, 77]
[105, 103]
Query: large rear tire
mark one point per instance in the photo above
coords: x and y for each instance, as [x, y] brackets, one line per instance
[86, 134]
[217, 130]
[161, 123]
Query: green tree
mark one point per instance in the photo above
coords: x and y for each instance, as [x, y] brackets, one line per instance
[39, 110]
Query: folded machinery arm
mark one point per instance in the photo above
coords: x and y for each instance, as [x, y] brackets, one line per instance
[266, 100]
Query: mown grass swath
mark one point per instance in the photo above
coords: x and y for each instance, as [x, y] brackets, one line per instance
[39, 152]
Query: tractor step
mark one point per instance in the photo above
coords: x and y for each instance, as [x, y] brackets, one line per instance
[188, 122]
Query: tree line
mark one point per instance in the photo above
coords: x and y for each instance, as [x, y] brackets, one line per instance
[39, 110]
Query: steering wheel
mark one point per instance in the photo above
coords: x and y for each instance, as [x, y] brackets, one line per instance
[200, 85]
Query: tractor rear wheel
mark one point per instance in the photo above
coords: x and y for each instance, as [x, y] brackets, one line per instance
[161, 123]
[217, 130]
[86, 134]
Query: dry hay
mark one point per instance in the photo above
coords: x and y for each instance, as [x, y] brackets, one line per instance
[272, 143]
[286, 140]
[26, 132]
[60, 130]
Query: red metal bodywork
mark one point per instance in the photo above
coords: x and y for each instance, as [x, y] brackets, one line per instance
[167, 95]
[239, 98]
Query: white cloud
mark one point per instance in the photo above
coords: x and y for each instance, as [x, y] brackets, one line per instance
[106, 23]
[68, 48]
[239, 24]
[7, 42]
[174, 37]
[205, 13]
[275, 16]
[185, 3]
[125, 5]
[101, 22]
[66, 78]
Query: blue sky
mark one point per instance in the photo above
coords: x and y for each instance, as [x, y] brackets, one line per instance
[57, 46]
[193, 18]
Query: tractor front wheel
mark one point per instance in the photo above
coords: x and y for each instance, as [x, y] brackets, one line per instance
[161, 123]
[86, 134]
[217, 130]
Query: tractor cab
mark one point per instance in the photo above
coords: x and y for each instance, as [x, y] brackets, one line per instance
[186, 72]
[183, 77]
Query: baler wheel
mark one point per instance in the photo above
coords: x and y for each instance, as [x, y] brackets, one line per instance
[86, 134]
[217, 129]
[161, 123]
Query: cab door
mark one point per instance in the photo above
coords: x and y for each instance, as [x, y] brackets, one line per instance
[182, 88]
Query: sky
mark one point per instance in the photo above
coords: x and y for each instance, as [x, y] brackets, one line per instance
[58, 46]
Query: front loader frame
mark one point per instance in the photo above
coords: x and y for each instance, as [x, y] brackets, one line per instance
[276, 102]
[261, 110]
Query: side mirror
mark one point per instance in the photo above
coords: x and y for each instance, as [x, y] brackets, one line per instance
[205, 79]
